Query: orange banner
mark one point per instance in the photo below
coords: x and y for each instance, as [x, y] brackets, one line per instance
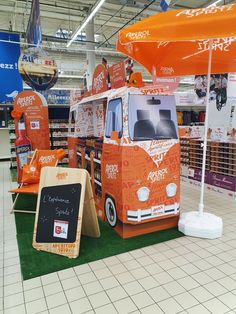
[35, 110]
[100, 76]
[117, 74]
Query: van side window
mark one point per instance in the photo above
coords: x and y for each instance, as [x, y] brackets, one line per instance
[114, 117]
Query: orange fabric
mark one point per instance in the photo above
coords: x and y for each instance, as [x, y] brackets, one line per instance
[31, 173]
[16, 114]
[176, 43]
[42, 158]
[27, 189]
[35, 109]
[136, 80]
[47, 158]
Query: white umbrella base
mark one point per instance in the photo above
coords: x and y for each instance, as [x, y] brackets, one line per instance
[205, 225]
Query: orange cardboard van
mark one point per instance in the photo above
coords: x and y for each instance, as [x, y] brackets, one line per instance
[128, 141]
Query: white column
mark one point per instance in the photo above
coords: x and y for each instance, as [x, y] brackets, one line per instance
[90, 55]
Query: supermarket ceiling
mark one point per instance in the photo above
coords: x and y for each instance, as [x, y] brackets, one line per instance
[60, 18]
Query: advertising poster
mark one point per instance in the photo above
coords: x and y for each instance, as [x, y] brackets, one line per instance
[231, 132]
[10, 79]
[72, 156]
[35, 109]
[185, 98]
[167, 84]
[57, 97]
[90, 120]
[218, 89]
[219, 107]
[75, 96]
[100, 79]
[117, 74]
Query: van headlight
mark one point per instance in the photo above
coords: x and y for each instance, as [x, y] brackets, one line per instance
[143, 194]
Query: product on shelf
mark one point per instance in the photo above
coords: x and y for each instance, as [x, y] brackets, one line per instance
[58, 136]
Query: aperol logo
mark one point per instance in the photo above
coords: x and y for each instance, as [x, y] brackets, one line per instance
[98, 81]
[111, 171]
[167, 70]
[211, 10]
[62, 176]
[25, 101]
[71, 153]
[46, 159]
[158, 175]
[138, 35]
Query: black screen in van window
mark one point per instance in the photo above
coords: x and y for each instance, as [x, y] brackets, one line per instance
[152, 117]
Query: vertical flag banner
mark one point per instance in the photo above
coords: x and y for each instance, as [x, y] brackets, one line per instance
[34, 31]
[10, 79]
[165, 4]
[35, 109]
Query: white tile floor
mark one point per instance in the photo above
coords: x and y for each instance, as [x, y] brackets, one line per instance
[186, 275]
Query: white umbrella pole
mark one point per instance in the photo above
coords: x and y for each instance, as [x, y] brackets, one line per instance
[199, 223]
[201, 204]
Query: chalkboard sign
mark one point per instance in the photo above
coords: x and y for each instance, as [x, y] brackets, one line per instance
[58, 214]
[65, 210]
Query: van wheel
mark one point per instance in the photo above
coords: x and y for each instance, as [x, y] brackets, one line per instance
[110, 210]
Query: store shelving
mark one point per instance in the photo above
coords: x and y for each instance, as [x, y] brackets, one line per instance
[223, 159]
[58, 136]
[89, 153]
[196, 154]
[184, 152]
[220, 172]
[12, 135]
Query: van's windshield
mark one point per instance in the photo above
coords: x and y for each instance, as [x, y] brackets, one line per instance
[152, 117]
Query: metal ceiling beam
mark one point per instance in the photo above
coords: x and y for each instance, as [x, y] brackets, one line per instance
[60, 16]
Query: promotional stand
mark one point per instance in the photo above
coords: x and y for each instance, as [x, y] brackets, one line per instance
[128, 142]
[177, 43]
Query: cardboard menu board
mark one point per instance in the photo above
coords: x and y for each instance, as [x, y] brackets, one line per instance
[117, 74]
[100, 83]
[65, 209]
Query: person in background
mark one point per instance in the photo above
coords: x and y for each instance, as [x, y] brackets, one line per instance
[221, 83]
[224, 83]
[199, 87]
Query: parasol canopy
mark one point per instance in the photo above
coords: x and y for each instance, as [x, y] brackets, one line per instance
[176, 42]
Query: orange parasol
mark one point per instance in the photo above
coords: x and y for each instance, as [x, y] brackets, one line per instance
[176, 42]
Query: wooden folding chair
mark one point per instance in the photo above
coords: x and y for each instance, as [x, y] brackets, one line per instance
[44, 158]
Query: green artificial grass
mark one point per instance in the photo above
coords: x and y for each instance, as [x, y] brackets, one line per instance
[37, 263]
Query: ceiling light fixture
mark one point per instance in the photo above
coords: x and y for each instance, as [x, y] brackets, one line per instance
[214, 3]
[91, 15]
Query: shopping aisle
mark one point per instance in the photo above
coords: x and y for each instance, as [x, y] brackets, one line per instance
[186, 275]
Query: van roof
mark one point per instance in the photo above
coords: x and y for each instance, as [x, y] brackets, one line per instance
[117, 92]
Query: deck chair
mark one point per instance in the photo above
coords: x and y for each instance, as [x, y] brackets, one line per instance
[40, 158]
